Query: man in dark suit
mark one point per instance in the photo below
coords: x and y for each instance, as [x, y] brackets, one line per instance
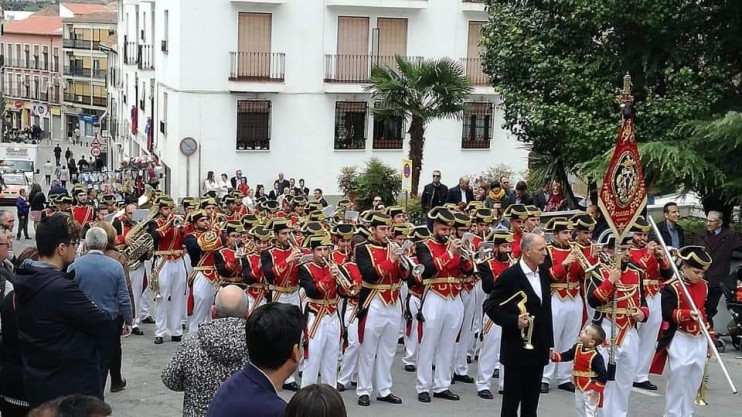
[461, 194]
[273, 335]
[720, 243]
[525, 283]
[672, 233]
[235, 181]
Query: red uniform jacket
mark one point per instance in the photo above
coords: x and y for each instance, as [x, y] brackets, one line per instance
[168, 241]
[232, 269]
[351, 271]
[676, 316]
[201, 251]
[381, 276]
[565, 283]
[320, 287]
[443, 272]
[83, 214]
[256, 284]
[653, 269]
[589, 368]
[630, 298]
[284, 276]
[516, 251]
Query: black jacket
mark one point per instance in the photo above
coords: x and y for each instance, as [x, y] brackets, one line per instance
[11, 365]
[512, 352]
[454, 195]
[665, 233]
[433, 196]
[57, 330]
[721, 255]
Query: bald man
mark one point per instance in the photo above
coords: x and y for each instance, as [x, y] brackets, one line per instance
[461, 194]
[218, 346]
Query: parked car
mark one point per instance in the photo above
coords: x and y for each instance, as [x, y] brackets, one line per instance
[14, 183]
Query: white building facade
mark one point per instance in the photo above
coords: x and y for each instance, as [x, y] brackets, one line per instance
[270, 86]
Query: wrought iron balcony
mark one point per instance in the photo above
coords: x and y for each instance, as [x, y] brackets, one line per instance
[357, 68]
[475, 72]
[145, 57]
[257, 66]
[85, 72]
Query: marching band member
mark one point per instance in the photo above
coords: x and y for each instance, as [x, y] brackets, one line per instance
[322, 331]
[467, 280]
[349, 361]
[380, 311]
[482, 220]
[257, 286]
[122, 225]
[169, 273]
[583, 225]
[683, 345]
[209, 206]
[589, 370]
[202, 245]
[281, 269]
[109, 200]
[651, 259]
[415, 289]
[239, 208]
[398, 215]
[626, 285]
[342, 234]
[518, 215]
[230, 204]
[489, 364]
[534, 220]
[441, 310]
[566, 303]
[230, 260]
[82, 211]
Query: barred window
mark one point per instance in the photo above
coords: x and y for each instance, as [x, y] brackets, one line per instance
[253, 124]
[388, 131]
[477, 130]
[350, 124]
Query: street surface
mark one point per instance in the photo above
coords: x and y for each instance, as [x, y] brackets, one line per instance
[145, 395]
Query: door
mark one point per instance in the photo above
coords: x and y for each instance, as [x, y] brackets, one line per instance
[352, 60]
[254, 46]
[392, 40]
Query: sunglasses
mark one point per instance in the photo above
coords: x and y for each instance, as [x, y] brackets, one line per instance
[436, 176]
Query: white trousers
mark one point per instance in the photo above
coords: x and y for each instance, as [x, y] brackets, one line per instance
[566, 323]
[251, 303]
[203, 299]
[648, 332]
[403, 291]
[168, 309]
[466, 337]
[137, 290]
[295, 299]
[616, 393]
[349, 364]
[381, 332]
[147, 296]
[443, 317]
[479, 297]
[686, 359]
[410, 342]
[586, 405]
[489, 356]
[323, 351]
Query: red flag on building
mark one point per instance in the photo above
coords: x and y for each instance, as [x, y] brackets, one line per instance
[623, 193]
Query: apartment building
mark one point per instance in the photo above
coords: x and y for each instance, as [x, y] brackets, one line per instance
[279, 85]
[85, 68]
[31, 50]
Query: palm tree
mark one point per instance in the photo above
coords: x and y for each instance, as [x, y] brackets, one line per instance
[420, 92]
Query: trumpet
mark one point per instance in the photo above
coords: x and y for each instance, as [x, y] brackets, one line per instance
[526, 333]
[467, 251]
[407, 262]
[178, 220]
[340, 278]
[582, 259]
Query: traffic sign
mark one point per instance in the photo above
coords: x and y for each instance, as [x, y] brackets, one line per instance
[95, 143]
[95, 151]
[406, 175]
[188, 146]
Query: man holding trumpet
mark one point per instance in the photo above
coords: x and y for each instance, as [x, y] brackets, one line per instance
[520, 303]
[441, 311]
[281, 269]
[319, 278]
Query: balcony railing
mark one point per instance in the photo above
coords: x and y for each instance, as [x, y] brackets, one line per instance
[80, 44]
[85, 72]
[475, 72]
[130, 53]
[357, 68]
[145, 58]
[256, 66]
[85, 99]
[32, 64]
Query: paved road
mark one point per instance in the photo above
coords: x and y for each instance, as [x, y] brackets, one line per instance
[145, 395]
